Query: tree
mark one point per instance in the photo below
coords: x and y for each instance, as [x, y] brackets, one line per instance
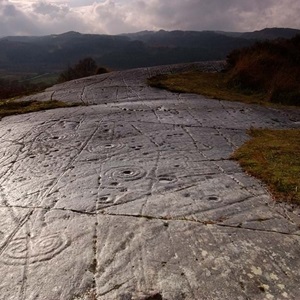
[85, 67]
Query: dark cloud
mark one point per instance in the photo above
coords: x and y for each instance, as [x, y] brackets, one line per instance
[239, 15]
[118, 16]
[14, 21]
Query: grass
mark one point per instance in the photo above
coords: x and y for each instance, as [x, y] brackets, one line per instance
[8, 108]
[274, 157]
[212, 85]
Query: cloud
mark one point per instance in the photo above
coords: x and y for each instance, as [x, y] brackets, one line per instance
[51, 10]
[231, 15]
[38, 18]
[110, 17]
[14, 21]
[119, 16]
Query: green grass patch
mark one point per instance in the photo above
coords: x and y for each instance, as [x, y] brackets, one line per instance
[8, 108]
[274, 157]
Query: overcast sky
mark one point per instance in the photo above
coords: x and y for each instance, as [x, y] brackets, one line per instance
[28, 17]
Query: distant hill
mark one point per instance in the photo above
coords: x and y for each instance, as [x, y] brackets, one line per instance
[264, 34]
[53, 53]
[271, 33]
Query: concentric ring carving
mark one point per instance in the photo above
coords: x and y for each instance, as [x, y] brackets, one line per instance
[125, 173]
[43, 248]
[106, 148]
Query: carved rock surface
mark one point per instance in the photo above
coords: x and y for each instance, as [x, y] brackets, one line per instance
[134, 197]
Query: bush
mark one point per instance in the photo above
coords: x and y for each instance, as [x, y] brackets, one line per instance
[272, 67]
[101, 70]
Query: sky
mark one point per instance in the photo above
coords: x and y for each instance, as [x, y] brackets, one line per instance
[42, 17]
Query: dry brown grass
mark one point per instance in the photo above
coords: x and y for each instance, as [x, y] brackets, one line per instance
[274, 157]
[212, 85]
[8, 108]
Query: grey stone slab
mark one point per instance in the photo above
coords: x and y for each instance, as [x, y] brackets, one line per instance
[135, 196]
[138, 258]
[39, 262]
[11, 220]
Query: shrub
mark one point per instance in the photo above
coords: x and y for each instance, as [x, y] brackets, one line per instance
[272, 67]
